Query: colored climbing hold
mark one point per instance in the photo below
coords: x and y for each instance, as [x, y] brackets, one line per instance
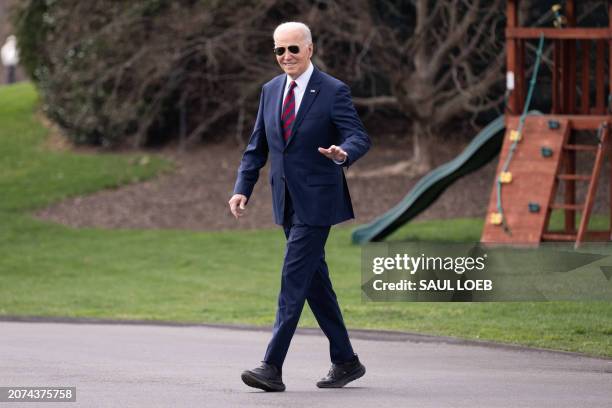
[534, 207]
[515, 136]
[495, 218]
[554, 124]
[546, 151]
[505, 177]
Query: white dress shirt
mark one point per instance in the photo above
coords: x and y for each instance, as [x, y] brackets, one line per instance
[300, 87]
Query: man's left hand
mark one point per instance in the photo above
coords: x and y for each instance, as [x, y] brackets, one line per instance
[334, 152]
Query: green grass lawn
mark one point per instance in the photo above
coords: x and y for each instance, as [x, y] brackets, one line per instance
[232, 277]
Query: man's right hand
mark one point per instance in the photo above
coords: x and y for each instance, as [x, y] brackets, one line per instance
[238, 205]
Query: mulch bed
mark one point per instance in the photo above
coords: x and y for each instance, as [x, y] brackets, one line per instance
[194, 197]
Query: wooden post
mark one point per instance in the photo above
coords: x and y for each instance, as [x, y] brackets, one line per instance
[571, 55]
[570, 13]
[563, 70]
[600, 105]
[570, 189]
[586, 84]
[592, 190]
[555, 77]
[511, 22]
[521, 90]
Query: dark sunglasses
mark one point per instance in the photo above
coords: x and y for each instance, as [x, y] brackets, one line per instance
[294, 49]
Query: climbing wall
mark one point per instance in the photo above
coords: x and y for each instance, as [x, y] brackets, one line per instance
[532, 171]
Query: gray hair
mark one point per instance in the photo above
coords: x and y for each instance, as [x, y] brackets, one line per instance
[295, 25]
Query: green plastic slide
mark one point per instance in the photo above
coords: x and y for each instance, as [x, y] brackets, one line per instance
[482, 149]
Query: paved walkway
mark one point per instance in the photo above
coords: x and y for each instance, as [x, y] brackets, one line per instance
[165, 366]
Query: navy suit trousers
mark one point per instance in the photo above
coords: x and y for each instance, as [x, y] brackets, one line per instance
[305, 277]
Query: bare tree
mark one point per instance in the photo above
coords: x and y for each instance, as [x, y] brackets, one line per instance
[113, 72]
[137, 70]
[436, 60]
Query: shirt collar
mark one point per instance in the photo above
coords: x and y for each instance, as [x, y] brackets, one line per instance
[302, 80]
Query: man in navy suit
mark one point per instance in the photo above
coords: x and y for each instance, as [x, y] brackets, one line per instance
[308, 125]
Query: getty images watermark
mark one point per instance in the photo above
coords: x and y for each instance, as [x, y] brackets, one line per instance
[413, 264]
[433, 272]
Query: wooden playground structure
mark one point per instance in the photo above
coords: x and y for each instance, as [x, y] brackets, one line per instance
[541, 152]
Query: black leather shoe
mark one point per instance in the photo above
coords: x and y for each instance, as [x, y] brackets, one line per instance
[341, 374]
[266, 377]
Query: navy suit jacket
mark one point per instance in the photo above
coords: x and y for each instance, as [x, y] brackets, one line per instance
[317, 185]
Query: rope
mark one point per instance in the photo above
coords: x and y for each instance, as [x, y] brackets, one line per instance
[534, 77]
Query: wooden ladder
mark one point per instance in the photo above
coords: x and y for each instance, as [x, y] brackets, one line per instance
[586, 207]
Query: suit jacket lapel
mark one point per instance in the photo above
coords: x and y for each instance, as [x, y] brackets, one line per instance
[278, 95]
[310, 94]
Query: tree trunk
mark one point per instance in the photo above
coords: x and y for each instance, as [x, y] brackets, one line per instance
[423, 141]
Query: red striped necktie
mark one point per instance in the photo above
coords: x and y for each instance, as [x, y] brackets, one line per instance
[288, 115]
